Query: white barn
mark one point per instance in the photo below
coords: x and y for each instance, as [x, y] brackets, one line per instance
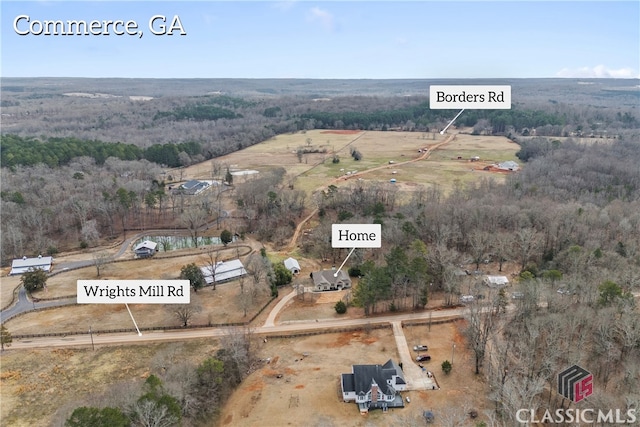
[24, 264]
[223, 271]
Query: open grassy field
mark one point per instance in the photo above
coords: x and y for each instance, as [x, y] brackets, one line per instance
[41, 387]
[378, 149]
[220, 306]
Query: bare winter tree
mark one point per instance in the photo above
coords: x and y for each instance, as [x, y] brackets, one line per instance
[240, 347]
[184, 312]
[479, 241]
[481, 324]
[100, 260]
[194, 218]
[148, 413]
[525, 241]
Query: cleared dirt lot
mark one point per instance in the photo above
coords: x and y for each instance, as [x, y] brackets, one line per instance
[36, 384]
[308, 392]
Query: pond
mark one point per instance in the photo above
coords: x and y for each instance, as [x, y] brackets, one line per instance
[172, 243]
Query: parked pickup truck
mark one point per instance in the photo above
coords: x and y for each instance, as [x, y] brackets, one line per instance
[420, 348]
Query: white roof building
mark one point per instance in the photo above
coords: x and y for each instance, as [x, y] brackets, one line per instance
[509, 165]
[495, 281]
[22, 265]
[292, 265]
[223, 271]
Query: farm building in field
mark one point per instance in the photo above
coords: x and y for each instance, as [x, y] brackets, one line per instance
[509, 165]
[374, 386]
[325, 280]
[223, 271]
[146, 249]
[495, 281]
[292, 265]
[24, 264]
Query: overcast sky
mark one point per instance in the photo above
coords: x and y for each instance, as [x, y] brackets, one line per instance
[338, 39]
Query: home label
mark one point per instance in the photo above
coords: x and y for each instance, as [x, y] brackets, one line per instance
[356, 235]
[133, 292]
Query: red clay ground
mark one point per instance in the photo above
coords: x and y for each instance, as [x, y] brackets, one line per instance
[308, 390]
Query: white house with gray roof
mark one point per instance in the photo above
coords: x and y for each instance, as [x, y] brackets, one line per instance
[374, 386]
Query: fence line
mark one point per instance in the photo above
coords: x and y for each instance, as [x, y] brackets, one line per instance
[150, 328]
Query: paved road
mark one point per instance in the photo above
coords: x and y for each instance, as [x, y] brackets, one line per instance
[181, 335]
[271, 319]
[24, 303]
[282, 329]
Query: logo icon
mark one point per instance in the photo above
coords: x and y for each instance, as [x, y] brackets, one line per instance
[575, 383]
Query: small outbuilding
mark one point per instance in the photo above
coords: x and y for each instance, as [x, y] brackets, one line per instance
[146, 249]
[24, 264]
[292, 265]
[509, 165]
[495, 281]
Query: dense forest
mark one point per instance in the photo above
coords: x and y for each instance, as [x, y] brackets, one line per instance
[60, 151]
[57, 117]
[106, 152]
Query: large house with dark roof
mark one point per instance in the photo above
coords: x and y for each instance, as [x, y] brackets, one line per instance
[194, 187]
[374, 386]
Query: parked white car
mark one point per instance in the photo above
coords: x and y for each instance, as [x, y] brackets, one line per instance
[466, 298]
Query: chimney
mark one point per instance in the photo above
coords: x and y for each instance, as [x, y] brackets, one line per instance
[374, 393]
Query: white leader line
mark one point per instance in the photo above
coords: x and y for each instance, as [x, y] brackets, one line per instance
[343, 263]
[451, 122]
[134, 320]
